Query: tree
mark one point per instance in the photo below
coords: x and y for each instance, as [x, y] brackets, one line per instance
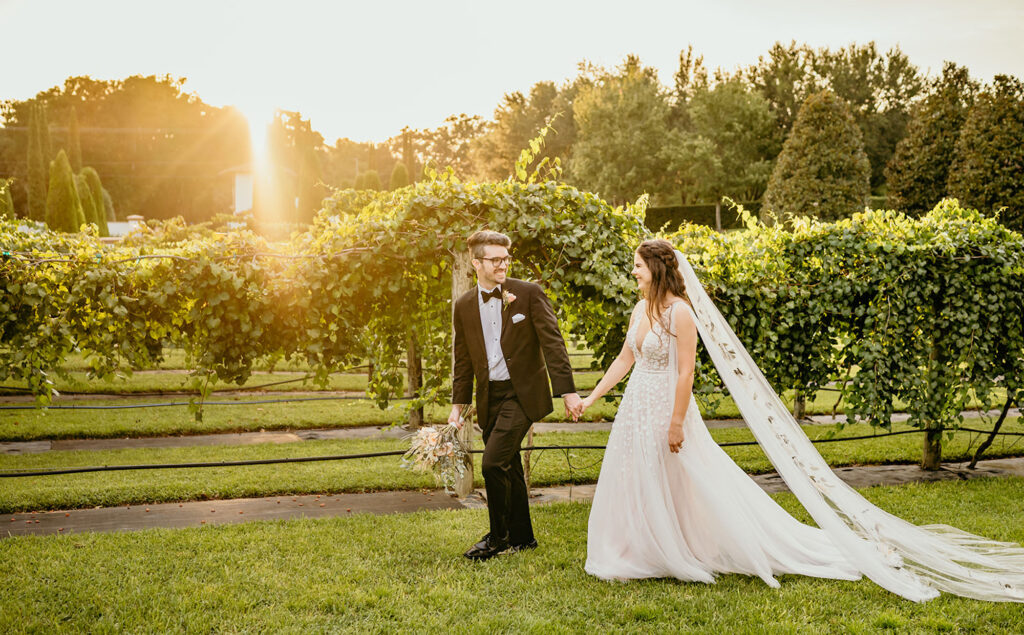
[88, 202]
[36, 169]
[726, 147]
[6, 201]
[368, 180]
[516, 121]
[919, 170]
[99, 204]
[989, 157]
[74, 143]
[449, 145]
[161, 151]
[44, 131]
[822, 170]
[878, 88]
[622, 120]
[399, 176]
[63, 207]
[784, 78]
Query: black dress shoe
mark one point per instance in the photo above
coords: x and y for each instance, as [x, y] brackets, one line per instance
[522, 546]
[486, 548]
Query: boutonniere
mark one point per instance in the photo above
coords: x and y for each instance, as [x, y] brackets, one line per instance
[507, 298]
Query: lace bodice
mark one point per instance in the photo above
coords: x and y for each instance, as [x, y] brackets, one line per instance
[652, 354]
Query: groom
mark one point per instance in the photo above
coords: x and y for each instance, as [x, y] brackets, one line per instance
[505, 333]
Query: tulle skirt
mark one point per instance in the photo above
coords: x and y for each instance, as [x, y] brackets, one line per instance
[693, 514]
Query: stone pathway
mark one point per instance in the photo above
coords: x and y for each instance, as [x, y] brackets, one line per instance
[220, 512]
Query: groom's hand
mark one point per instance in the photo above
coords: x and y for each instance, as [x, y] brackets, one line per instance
[454, 415]
[573, 405]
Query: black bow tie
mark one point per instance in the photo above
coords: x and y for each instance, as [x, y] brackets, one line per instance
[493, 293]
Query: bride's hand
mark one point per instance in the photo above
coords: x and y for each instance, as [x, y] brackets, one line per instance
[675, 438]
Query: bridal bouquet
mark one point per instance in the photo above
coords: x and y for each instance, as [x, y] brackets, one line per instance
[437, 449]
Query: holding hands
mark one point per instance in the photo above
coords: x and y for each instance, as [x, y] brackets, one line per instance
[573, 405]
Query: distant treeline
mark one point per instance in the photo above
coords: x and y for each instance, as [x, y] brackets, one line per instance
[876, 126]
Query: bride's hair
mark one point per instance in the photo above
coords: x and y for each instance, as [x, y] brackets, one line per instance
[660, 257]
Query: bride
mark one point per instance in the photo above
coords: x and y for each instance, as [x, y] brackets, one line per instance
[671, 503]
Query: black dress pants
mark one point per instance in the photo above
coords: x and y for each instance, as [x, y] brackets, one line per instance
[508, 503]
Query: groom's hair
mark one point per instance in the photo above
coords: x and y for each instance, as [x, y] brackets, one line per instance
[485, 237]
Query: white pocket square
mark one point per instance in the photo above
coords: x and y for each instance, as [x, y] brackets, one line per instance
[517, 318]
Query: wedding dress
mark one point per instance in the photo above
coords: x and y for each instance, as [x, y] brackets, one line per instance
[692, 514]
[696, 513]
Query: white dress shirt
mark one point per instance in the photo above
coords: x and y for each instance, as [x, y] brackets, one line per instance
[490, 320]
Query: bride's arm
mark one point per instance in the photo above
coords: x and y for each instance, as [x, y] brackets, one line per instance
[686, 359]
[615, 372]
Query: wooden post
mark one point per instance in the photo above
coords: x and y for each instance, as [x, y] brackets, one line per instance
[526, 459]
[414, 370]
[931, 449]
[462, 281]
[799, 405]
[718, 215]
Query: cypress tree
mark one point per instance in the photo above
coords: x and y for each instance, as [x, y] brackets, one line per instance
[74, 142]
[822, 170]
[44, 132]
[63, 207]
[36, 168]
[85, 197]
[368, 180]
[6, 202]
[919, 170]
[989, 157]
[96, 187]
[399, 176]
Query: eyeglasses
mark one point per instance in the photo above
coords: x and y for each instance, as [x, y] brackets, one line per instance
[497, 262]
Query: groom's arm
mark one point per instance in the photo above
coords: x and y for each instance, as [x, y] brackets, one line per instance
[462, 368]
[551, 343]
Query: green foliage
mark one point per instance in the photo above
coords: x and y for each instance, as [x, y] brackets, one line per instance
[399, 176]
[86, 199]
[43, 130]
[6, 201]
[63, 206]
[622, 120]
[989, 159]
[725, 147]
[352, 288]
[822, 171]
[368, 180]
[74, 141]
[919, 170]
[516, 121]
[99, 204]
[923, 312]
[891, 308]
[160, 150]
[36, 169]
[878, 88]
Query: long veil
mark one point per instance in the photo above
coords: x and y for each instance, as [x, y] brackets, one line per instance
[913, 561]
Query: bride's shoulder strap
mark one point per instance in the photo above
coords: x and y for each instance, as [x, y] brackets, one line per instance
[638, 308]
[674, 308]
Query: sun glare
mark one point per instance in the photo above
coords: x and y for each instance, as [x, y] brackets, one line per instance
[259, 119]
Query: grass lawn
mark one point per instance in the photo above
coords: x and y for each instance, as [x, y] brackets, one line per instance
[549, 467]
[405, 573]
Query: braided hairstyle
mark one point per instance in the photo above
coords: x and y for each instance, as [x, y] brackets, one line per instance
[660, 257]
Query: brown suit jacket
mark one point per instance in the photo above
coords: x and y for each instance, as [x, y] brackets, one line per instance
[527, 345]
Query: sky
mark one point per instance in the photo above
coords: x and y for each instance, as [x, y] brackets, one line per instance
[363, 70]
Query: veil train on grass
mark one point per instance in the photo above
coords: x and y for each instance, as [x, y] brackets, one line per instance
[916, 562]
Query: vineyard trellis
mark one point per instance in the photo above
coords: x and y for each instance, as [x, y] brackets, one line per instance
[922, 312]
